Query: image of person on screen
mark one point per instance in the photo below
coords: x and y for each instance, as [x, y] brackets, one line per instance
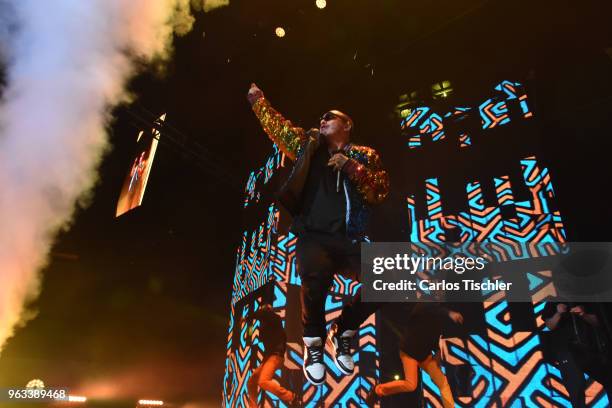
[330, 193]
[577, 344]
[419, 337]
[274, 339]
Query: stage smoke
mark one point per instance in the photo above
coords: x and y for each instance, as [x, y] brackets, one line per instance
[66, 63]
[208, 5]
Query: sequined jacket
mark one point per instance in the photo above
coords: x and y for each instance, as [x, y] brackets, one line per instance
[366, 182]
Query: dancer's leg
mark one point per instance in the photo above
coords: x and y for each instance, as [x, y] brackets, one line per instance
[431, 366]
[267, 381]
[408, 384]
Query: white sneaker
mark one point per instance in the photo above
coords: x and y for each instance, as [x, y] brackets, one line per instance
[343, 357]
[314, 368]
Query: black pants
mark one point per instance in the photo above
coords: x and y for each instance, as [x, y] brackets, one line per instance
[319, 257]
[573, 378]
[572, 369]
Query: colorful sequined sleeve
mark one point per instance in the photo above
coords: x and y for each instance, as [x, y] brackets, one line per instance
[365, 170]
[281, 131]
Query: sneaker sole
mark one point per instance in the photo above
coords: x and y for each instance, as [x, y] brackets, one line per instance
[342, 369]
[311, 380]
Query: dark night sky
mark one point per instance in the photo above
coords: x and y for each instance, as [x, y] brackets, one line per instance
[143, 310]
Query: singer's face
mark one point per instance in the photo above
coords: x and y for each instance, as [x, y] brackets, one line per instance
[335, 128]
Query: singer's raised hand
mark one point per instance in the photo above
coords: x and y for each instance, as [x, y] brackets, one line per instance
[254, 93]
[337, 161]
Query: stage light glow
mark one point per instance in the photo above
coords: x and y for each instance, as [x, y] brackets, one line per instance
[404, 113]
[35, 383]
[280, 32]
[396, 377]
[406, 104]
[77, 398]
[150, 402]
[321, 4]
[441, 89]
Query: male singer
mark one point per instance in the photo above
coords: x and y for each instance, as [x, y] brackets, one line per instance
[329, 193]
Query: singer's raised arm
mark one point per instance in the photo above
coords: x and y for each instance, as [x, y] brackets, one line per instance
[364, 168]
[281, 131]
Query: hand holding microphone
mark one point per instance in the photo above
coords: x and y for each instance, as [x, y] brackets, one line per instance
[337, 162]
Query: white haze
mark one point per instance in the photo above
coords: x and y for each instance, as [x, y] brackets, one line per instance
[66, 63]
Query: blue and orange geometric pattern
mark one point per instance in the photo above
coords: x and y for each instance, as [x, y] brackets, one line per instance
[508, 364]
[262, 174]
[423, 121]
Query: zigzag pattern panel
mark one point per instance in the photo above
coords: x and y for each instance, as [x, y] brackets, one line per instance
[513, 91]
[508, 371]
[457, 116]
[508, 364]
[248, 354]
[493, 112]
[253, 256]
[412, 121]
[237, 364]
[535, 221]
[262, 175]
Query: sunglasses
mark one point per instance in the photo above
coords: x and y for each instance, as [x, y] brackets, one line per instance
[330, 116]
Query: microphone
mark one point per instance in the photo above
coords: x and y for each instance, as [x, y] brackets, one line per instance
[338, 171]
[315, 133]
